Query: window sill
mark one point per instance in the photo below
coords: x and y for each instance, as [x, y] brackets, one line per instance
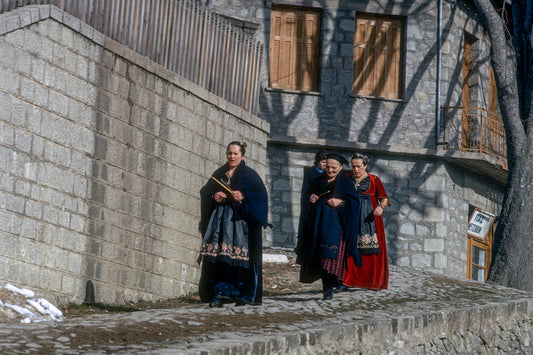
[401, 101]
[298, 92]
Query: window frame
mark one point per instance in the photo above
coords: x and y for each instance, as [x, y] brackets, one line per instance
[381, 95]
[297, 83]
[484, 243]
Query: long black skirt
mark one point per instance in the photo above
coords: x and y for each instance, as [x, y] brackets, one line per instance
[231, 259]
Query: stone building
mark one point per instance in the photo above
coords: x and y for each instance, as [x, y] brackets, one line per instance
[403, 82]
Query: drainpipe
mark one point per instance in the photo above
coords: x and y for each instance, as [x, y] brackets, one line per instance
[439, 57]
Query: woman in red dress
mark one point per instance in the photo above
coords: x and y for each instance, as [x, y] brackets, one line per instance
[374, 272]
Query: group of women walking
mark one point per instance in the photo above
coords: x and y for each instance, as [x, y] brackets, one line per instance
[343, 241]
[341, 237]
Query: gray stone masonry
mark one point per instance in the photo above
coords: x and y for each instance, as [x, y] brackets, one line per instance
[102, 156]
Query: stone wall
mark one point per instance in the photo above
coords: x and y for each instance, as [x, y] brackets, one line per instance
[496, 329]
[487, 330]
[102, 156]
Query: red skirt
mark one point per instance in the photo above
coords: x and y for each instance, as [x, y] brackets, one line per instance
[374, 273]
[313, 270]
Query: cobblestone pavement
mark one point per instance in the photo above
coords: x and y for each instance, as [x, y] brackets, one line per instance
[198, 329]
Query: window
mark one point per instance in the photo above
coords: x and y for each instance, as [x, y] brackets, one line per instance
[480, 238]
[294, 48]
[378, 44]
[471, 123]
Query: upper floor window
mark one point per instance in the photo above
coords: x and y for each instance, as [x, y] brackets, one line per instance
[294, 48]
[378, 56]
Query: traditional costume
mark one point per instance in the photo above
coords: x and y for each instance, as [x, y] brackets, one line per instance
[310, 175]
[329, 234]
[232, 237]
[374, 271]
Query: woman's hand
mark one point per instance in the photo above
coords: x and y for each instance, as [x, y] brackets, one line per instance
[219, 196]
[378, 211]
[237, 196]
[334, 202]
[313, 198]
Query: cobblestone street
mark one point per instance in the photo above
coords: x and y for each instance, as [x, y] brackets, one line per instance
[287, 322]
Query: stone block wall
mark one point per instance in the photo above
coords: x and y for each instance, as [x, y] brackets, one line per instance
[426, 224]
[102, 156]
[503, 328]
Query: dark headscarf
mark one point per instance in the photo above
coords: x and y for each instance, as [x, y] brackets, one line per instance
[342, 160]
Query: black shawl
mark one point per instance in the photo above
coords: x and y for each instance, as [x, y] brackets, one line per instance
[254, 207]
[325, 225]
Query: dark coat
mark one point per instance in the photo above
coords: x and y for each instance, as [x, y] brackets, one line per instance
[326, 225]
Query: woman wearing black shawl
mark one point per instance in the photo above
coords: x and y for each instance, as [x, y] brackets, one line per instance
[331, 228]
[234, 208]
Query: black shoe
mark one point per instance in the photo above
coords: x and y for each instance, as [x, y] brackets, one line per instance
[216, 302]
[328, 293]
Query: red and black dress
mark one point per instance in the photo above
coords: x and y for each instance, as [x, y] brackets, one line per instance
[329, 234]
[374, 271]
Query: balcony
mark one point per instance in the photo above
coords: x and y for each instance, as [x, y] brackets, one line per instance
[474, 129]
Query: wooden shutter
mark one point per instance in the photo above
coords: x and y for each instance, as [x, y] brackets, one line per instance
[466, 73]
[493, 92]
[294, 49]
[377, 56]
[466, 130]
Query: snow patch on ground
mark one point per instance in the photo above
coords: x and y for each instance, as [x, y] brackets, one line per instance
[20, 305]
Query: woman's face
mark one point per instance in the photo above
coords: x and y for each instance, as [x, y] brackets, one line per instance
[234, 156]
[358, 168]
[333, 168]
[321, 164]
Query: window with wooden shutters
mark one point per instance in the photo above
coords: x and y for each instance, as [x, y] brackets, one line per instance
[294, 48]
[378, 55]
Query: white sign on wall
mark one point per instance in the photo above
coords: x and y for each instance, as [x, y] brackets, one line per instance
[480, 223]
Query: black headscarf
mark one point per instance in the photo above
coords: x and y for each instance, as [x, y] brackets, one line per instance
[342, 160]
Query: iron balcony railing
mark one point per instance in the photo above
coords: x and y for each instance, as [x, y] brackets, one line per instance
[474, 129]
